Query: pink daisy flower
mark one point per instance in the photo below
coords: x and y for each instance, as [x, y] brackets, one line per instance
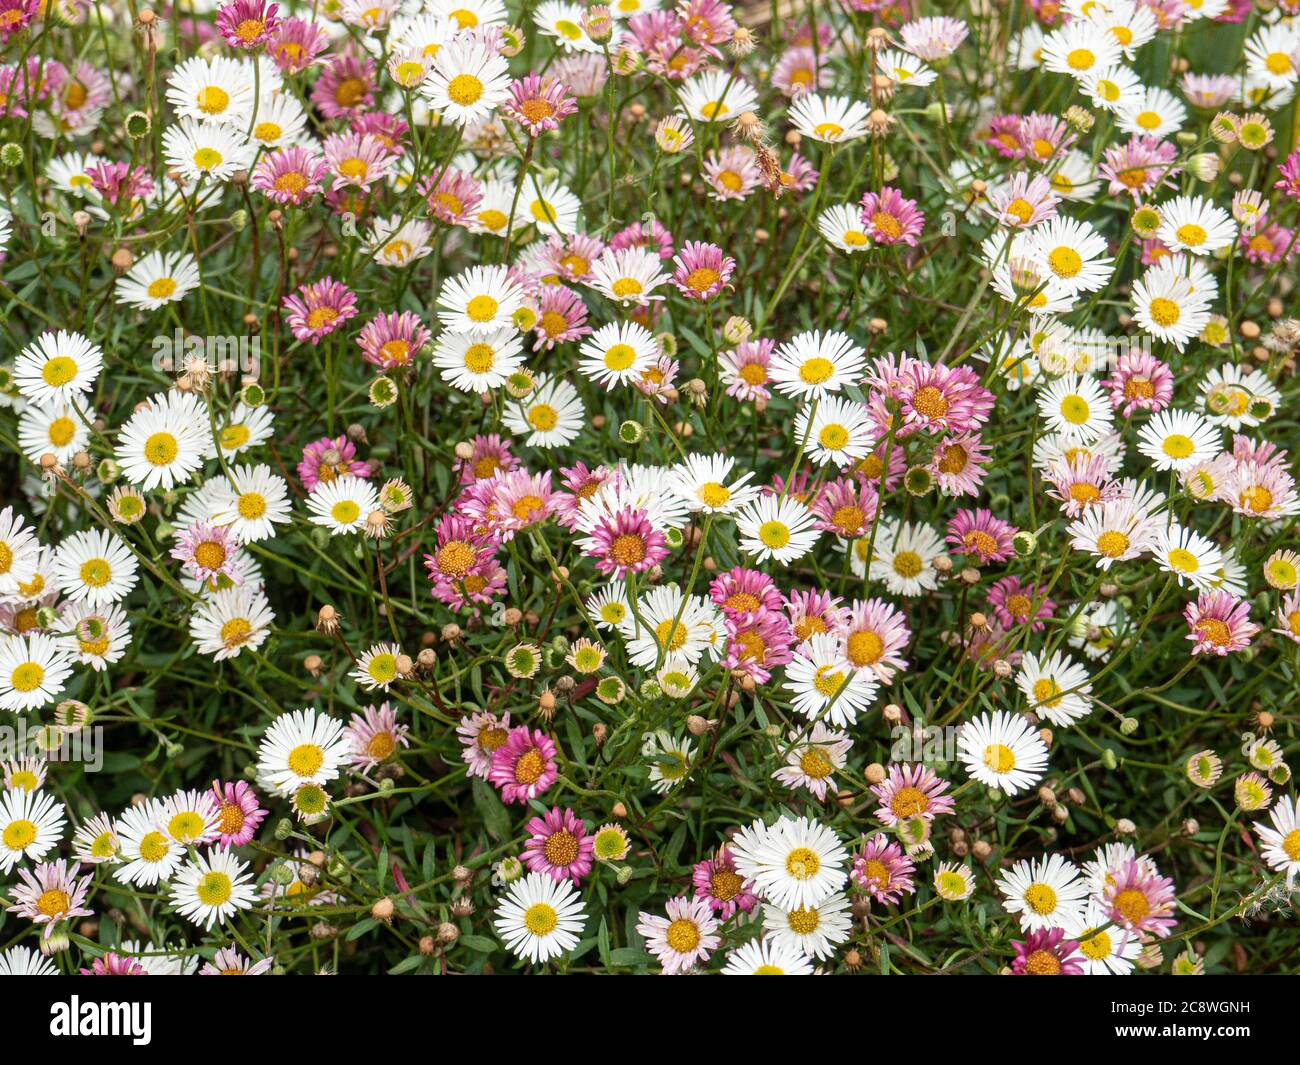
[229, 962]
[741, 592]
[391, 341]
[933, 38]
[683, 938]
[1139, 381]
[943, 399]
[345, 87]
[725, 890]
[911, 791]
[1288, 616]
[746, 370]
[238, 812]
[1140, 899]
[112, 964]
[707, 22]
[1139, 167]
[561, 317]
[295, 45]
[1268, 245]
[1219, 624]
[569, 259]
[757, 643]
[120, 183]
[1016, 604]
[1082, 481]
[874, 631]
[50, 893]
[812, 612]
[376, 736]
[958, 464]
[1289, 171]
[390, 130]
[489, 455]
[891, 218]
[509, 502]
[357, 159]
[1005, 136]
[881, 869]
[846, 507]
[978, 533]
[454, 198]
[481, 734]
[1047, 953]
[702, 270]
[1045, 136]
[559, 846]
[290, 175]
[328, 458]
[524, 766]
[652, 236]
[319, 309]
[732, 173]
[624, 543]
[538, 104]
[798, 71]
[208, 552]
[16, 16]
[248, 24]
[461, 565]
[799, 175]
[580, 483]
[1024, 201]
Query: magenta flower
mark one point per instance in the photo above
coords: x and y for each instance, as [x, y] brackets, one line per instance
[50, 893]
[1218, 623]
[248, 24]
[1139, 381]
[1289, 184]
[454, 198]
[911, 791]
[319, 309]
[391, 341]
[1139, 167]
[944, 399]
[881, 869]
[538, 104]
[624, 543]
[208, 552]
[717, 881]
[524, 766]
[239, 812]
[1017, 604]
[489, 455]
[16, 16]
[558, 845]
[846, 507]
[509, 502]
[1268, 245]
[1140, 899]
[741, 591]
[346, 87]
[376, 736]
[325, 459]
[891, 218]
[462, 567]
[1047, 953]
[978, 533]
[757, 643]
[112, 964]
[702, 270]
[295, 44]
[652, 236]
[290, 175]
[357, 159]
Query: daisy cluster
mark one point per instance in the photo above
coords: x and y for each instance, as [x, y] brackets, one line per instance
[666, 486]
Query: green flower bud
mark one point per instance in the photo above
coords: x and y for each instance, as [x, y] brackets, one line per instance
[138, 125]
[631, 432]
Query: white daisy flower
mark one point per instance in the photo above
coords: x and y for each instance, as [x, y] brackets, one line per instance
[617, 354]
[1281, 842]
[301, 747]
[562, 22]
[1178, 440]
[842, 229]
[280, 122]
[826, 687]
[794, 862]
[1270, 54]
[835, 430]
[540, 918]
[165, 440]
[245, 427]
[552, 414]
[1075, 405]
[213, 91]
[148, 854]
[23, 961]
[706, 484]
[468, 80]
[1156, 113]
[480, 300]
[97, 636]
[904, 557]
[1195, 225]
[1043, 893]
[57, 367]
[902, 68]
[628, 276]
[1002, 750]
[1188, 555]
[550, 206]
[666, 622]
[20, 553]
[206, 150]
[31, 825]
[343, 504]
[1115, 89]
[1166, 306]
[468, 14]
[377, 667]
[1070, 252]
[716, 96]
[831, 119]
[211, 888]
[1108, 949]
[814, 364]
[55, 429]
[252, 502]
[96, 566]
[478, 362]
[814, 930]
[230, 620]
[1114, 531]
[33, 670]
[1056, 687]
[1079, 48]
[774, 528]
[158, 279]
[767, 957]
